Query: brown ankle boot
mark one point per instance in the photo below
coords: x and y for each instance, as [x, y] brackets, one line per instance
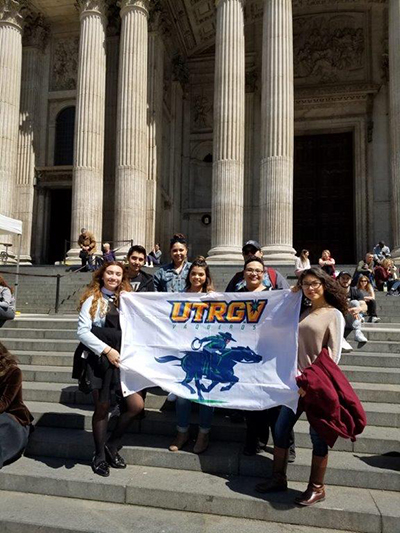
[202, 442]
[278, 482]
[315, 491]
[179, 441]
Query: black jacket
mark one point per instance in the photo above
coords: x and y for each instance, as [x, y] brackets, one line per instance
[146, 282]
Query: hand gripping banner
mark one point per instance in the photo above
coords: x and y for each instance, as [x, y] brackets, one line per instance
[234, 350]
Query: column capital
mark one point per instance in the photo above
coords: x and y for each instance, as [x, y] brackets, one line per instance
[139, 5]
[85, 7]
[10, 13]
[36, 31]
[219, 2]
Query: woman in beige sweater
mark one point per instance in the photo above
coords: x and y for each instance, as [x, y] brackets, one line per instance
[321, 325]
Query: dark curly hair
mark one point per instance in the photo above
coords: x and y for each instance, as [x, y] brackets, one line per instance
[334, 294]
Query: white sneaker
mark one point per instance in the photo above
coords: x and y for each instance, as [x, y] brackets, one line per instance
[375, 319]
[359, 336]
[346, 347]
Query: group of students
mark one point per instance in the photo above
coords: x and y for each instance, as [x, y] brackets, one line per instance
[97, 359]
[96, 363]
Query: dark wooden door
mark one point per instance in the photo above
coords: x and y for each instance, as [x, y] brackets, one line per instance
[323, 196]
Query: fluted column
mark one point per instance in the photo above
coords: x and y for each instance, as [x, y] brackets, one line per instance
[228, 149]
[277, 116]
[10, 89]
[132, 134]
[87, 183]
[394, 91]
[155, 120]
[34, 41]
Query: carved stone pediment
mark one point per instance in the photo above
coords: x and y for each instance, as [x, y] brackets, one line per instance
[330, 48]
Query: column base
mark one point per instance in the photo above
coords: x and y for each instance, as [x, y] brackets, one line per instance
[395, 255]
[73, 258]
[279, 254]
[225, 255]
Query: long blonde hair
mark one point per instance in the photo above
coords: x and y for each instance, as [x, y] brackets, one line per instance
[95, 286]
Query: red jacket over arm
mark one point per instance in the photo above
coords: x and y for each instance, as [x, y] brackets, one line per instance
[331, 405]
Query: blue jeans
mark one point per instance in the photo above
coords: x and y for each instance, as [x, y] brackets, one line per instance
[183, 410]
[284, 425]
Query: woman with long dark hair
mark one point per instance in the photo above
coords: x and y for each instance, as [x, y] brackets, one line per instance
[302, 262]
[7, 302]
[321, 325]
[198, 281]
[15, 418]
[99, 331]
[172, 277]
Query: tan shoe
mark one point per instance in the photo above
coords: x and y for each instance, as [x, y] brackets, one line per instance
[179, 442]
[201, 443]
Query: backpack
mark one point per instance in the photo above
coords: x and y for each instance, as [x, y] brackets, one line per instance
[272, 276]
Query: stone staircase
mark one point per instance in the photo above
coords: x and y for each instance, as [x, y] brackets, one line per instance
[52, 488]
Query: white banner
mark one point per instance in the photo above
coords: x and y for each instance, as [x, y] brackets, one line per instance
[236, 350]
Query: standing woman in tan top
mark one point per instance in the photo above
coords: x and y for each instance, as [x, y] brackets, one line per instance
[321, 325]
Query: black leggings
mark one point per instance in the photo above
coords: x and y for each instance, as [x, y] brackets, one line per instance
[133, 405]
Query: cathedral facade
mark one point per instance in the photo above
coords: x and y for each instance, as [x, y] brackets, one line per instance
[227, 120]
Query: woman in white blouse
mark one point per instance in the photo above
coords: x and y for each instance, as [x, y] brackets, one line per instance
[302, 262]
[99, 313]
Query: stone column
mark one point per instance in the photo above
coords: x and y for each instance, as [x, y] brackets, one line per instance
[249, 181]
[132, 133]
[155, 121]
[277, 116]
[394, 95]
[87, 182]
[34, 40]
[10, 89]
[229, 125]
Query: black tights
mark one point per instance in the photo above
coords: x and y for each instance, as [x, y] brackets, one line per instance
[134, 404]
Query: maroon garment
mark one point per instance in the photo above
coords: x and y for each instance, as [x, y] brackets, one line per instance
[331, 405]
[11, 396]
[381, 275]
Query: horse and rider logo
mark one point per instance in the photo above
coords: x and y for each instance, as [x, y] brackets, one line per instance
[211, 359]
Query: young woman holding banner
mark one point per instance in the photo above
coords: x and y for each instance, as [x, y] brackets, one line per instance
[99, 331]
[321, 325]
[198, 281]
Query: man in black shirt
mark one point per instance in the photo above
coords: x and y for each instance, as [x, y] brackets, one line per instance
[140, 281]
[357, 305]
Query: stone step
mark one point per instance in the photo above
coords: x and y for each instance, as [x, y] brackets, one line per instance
[345, 469]
[62, 374]
[375, 346]
[35, 345]
[28, 322]
[33, 513]
[39, 334]
[361, 359]
[374, 439]
[360, 510]
[372, 374]
[39, 358]
[382, 334]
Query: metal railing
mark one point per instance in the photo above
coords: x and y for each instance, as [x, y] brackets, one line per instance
[118, 244]
[57, 277]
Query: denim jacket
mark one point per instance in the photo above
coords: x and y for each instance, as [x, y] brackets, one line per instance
[167, 279]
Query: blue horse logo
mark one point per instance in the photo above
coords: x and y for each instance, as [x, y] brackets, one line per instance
[214, 366]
